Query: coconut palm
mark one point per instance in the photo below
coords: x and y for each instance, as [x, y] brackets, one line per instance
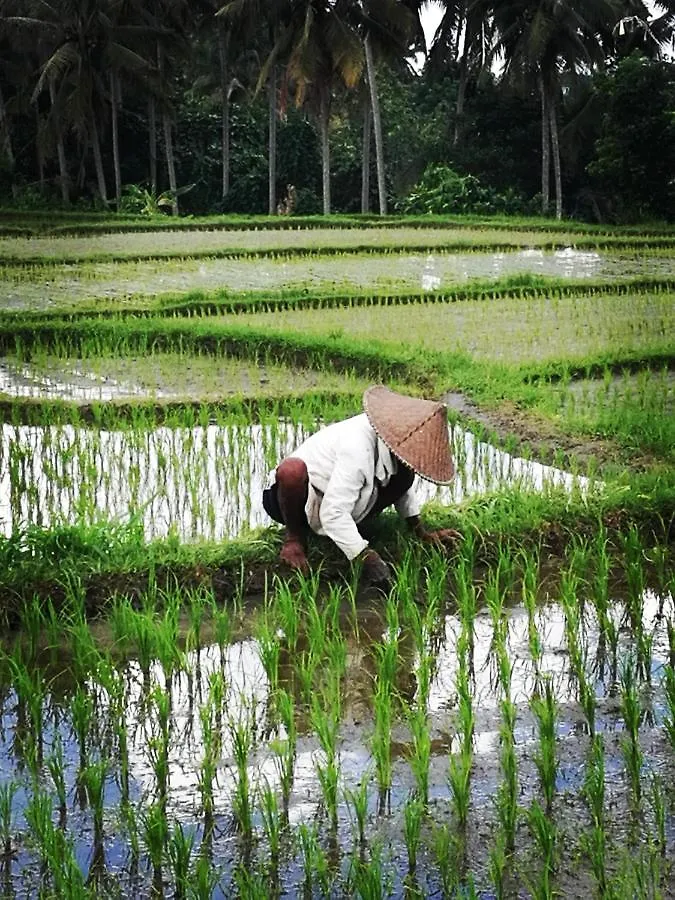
[389, 29]
[539, 41]
[464, 40]
[259, 24]
[85, 45]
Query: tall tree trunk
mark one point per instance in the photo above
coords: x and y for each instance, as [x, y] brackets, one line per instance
[365, 157]
[377, 128]
[545, 148]
[114, 110]
[168, 140]
[170, 162]
[555, 147]
[60, 149]
[98, 161]
[224, 112]
[324, 121]
[272, 143]
[152, 143]
[461, 96]
[5, 134]
[39, 151]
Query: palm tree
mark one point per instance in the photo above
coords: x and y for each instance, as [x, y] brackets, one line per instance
[321, 47]
[464, 40]
[258, 24]
[85, 45]
[387, 27]
[540, 40]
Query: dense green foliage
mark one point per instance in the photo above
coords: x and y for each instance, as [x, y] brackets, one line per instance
[155, 107]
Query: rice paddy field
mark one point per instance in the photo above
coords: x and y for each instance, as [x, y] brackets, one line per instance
[181, 717]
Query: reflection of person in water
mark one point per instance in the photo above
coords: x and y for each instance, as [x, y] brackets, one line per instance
[350, 471]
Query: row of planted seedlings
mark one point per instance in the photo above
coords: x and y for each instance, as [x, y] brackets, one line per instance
[201, 303]
[202, 473]
[503, 727]
[118, 250]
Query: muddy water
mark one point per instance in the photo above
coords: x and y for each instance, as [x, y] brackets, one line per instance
[66, 384]
[70, 285]
[197, 482]
[247, 701]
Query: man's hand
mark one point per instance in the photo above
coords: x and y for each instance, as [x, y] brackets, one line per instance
[443, 537]
[293, 554]
[375, 569]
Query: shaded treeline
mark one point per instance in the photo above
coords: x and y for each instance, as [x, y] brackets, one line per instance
[314, 105]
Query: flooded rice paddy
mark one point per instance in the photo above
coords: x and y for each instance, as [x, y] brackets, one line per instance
[68, 285]
[202, 241]
[253, 741]
[199, 482]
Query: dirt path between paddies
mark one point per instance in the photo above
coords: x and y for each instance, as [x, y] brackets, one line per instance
[546, 442]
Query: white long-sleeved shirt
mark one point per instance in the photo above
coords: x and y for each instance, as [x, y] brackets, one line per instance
[347, 463]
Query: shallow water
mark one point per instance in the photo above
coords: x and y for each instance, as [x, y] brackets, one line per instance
[247, 699]
[68, 384]
[198, 483]
[68, 285]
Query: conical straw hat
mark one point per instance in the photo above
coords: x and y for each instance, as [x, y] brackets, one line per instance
[416, 431]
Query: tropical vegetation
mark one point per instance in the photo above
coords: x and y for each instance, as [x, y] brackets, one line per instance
[237, 105]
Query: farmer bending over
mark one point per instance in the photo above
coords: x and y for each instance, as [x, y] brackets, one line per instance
[350, 471]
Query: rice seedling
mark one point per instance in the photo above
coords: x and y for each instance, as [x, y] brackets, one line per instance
[179, 853]
[268, 648]
[658, 804]
[446, 855]
[287, 611]
[507, 794]
[594, 841]
[272, 825]
[93, 779]
[544, 832]
[158, 742]
[357, 801]
[669, 685]
[630, 745]
[367, 877]
[241, 735]
[155, 833]
[284, 758]
[380, 741]
[325, 722]
[460, 785]
[498, 864]
[56, 768]
[29, 685]
[546, 712]
[204, 878]
[314, 862]
[251, 885]
[8, 790]
[413, 814]
[55, 849]
[419, 755]
[208, 765]
[530, 580]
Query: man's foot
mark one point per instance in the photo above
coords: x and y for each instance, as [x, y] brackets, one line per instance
[293, 554]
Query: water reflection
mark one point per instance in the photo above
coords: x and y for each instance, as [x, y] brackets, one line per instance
[248, 694]
[26, 381]
[202, 482]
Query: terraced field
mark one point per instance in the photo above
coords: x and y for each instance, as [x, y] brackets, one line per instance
[181, 716]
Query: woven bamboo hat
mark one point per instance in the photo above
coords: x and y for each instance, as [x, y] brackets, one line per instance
[416, 431]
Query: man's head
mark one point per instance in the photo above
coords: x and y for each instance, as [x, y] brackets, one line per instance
[415, 430]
